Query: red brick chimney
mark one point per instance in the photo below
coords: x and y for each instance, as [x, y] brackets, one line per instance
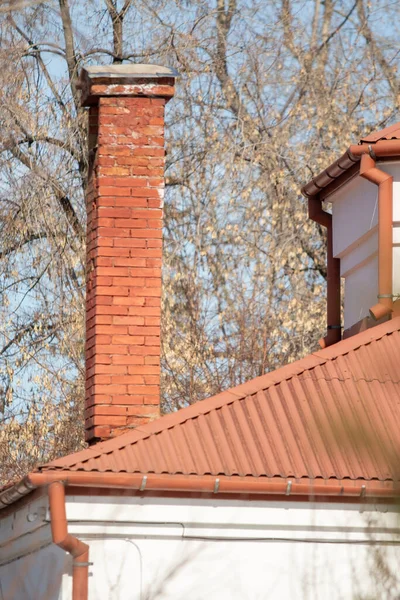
[124, 244]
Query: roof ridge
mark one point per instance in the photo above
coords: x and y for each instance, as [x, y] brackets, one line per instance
[229, 396]
[385, 133]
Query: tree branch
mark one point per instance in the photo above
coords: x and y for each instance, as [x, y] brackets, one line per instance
[31, 237]
[61, 196]
[71, 59]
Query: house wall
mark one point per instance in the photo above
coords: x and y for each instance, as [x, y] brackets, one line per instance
[355, 241]
[171, 549]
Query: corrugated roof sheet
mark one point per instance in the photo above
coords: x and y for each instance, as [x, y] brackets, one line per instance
[334, 414]
[389, 133]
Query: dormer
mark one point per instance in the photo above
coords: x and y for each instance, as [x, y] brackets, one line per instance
[358, 199]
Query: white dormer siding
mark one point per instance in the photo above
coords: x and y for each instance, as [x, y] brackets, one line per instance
[355, 241]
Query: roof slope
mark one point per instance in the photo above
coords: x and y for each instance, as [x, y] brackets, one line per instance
[334, 414]
[389, 133]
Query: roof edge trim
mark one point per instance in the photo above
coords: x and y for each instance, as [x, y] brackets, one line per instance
[340, 167]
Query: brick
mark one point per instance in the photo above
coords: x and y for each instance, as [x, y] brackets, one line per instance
[145, 192]
[115, 213]
[149, 273]
[144, 311]
[103, 432]
[129, 201]
[113, 271]
[113, 389]
[112, 310]
[146, 351]
[104, 190]
[148, 253]
[111, 350]
[154, 203]
[102, 261]
[110, 369]
[153, 282]
[105, 420]
[102, 281]
[106, 161]
[152, 390]
[152, 321]
[129, 379]
[144, 330]
[104, 242]
[133, 340]
[115, 252]
[130, 301]
[110, 410]
[153, 301]
[128, 399]
[127, 360]
[148, 152]
[130, 281]
[130, 262]
[112, 291]
[110, 330]
[144, 370]
[152, 360]
[149, 399]
[155, 223]
[136, 242]
[146, 233]
[144, 292]
[129, 320]
[154, 243]
[152, 340]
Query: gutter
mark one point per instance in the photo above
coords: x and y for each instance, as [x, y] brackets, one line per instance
[78, 550]
[206, 484]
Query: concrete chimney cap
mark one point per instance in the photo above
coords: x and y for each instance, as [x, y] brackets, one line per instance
[126, 71]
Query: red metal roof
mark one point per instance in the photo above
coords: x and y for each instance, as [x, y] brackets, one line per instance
[334, 414]
[389, 133]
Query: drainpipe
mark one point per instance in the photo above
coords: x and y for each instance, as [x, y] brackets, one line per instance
[369, 171]
[318, 215]
[78, 550]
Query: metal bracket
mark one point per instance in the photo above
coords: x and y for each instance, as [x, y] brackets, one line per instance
[216, 486]
[82, 564]
[288, 488]
[371, 152]
[143, 484]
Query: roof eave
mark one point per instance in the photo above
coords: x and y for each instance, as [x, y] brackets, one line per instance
[342, 167]
[207, 485]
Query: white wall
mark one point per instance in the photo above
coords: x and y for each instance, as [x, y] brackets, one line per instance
[355, 241]
[143, 549]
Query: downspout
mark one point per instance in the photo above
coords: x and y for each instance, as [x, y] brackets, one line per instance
[78, 550]
[317, 214]
[369, 171]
